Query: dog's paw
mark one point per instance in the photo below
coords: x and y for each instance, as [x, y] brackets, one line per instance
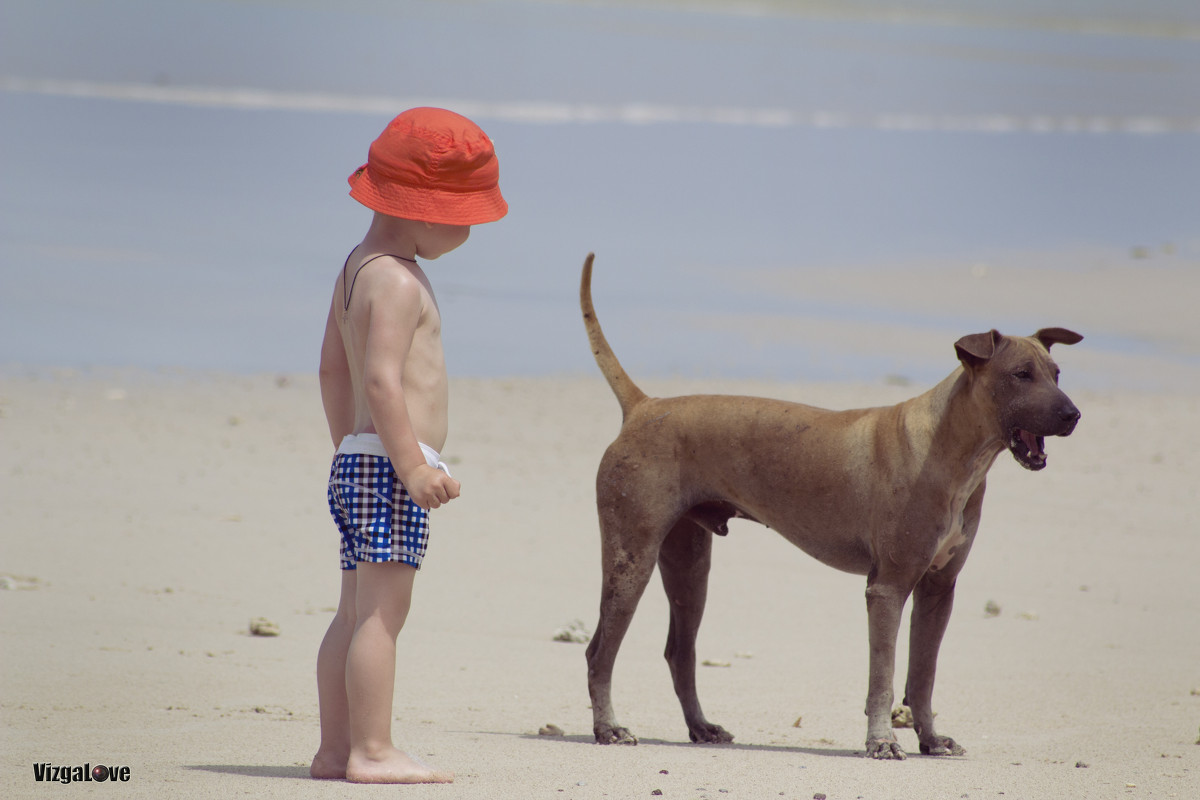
[606, 734]
[942, 746]
[710, 734]
[885, 749]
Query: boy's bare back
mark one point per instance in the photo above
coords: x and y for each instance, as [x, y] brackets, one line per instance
[388, 305]
[383, 370]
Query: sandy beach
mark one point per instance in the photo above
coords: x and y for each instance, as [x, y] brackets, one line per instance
[151, 515]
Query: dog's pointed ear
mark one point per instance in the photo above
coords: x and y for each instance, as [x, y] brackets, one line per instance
[1049, 336]
[977, 348]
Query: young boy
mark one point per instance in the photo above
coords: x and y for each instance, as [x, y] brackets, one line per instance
[429, 176]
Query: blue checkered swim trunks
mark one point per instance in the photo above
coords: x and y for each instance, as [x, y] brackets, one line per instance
[378, 521]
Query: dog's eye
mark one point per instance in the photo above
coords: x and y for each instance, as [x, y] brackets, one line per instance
[1023, 375]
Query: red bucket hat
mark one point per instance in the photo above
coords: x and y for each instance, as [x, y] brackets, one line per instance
[431, 165]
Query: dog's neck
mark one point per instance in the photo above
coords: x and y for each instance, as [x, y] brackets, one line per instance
[958, 437]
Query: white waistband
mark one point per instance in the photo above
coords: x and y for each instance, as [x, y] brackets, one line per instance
[369, 444]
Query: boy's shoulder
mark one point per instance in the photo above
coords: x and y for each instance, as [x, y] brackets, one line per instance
[389, 279]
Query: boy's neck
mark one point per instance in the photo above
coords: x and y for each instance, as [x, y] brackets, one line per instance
[392, 235]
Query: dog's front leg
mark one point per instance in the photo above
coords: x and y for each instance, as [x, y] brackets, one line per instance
[885, 604]
[933, 600]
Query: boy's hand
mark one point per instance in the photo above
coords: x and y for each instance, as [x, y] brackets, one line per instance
[430, 488]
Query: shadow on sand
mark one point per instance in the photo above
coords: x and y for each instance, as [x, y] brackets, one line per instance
[586, 739]
[255, 771]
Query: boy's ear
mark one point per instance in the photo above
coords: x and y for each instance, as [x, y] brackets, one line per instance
[428, 226]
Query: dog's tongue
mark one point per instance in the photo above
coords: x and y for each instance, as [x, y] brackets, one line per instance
[1031, 443]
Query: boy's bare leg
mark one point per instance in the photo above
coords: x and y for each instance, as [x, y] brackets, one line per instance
[383, 595]
[334, 752]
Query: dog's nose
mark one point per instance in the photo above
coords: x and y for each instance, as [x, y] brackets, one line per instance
[1069, 415]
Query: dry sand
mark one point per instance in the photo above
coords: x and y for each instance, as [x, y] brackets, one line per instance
[149, 517]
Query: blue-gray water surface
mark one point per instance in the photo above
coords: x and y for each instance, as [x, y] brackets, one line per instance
[172, 176]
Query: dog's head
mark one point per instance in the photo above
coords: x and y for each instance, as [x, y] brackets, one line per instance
[1019, 378]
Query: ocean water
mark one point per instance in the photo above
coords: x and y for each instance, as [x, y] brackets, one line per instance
[172, 175]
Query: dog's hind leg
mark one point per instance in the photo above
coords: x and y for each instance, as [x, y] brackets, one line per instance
[626, 575]
[684, 561]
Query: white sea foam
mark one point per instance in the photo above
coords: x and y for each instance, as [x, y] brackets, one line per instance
[559, 113]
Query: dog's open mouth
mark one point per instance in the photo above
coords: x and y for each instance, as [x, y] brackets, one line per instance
[1028, 449]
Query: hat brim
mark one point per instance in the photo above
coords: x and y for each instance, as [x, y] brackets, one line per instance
[426, 205]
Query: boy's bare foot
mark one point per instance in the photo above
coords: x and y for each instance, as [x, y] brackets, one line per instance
[327, 767]
[394, 767]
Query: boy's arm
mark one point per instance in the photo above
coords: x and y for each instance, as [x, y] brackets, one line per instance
[337, 392]
[394, 315]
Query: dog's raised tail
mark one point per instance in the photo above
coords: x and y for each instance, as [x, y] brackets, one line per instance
[628, 394]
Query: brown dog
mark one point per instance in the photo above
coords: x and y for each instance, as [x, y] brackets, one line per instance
[891, 493]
